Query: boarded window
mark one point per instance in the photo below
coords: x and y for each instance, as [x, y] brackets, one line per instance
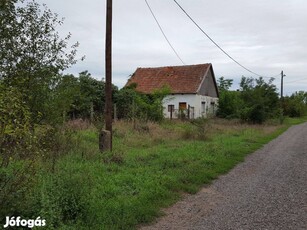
[182, 105]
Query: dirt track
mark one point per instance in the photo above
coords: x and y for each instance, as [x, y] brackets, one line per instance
[267, 191]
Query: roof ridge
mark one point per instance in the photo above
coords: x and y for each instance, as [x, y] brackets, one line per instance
[173, 66]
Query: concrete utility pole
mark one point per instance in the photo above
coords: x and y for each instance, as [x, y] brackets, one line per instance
[105, 142]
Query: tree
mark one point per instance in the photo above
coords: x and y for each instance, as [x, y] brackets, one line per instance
[260, 100]
[62, 97]
[134, 105]
[229, 101]
[229, 104]
[89, 103]
[296, 104]
[125, 101]
[32, 55]
[18, 151]
[256, 101]
[224, 84]
[32, 52]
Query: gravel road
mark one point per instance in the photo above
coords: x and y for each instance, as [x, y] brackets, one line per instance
[267, 191]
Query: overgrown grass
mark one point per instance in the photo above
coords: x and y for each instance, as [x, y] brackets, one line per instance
[148, 169]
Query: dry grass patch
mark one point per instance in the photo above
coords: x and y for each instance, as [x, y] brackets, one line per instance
[141, 134]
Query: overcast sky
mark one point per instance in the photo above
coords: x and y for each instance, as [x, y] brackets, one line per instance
[266, 36]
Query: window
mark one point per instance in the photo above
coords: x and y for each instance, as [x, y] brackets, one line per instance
[203, 107]
[171, 108]
[212, 108]
[182, 105]
[192, 114]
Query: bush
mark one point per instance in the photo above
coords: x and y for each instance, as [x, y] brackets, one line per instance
[256, 101]
[19, 152]
[62, 196]
[229, 104]
[198, 130]
[134, 105]
[16, 182]
[22, 146]
[296, 104]
[16, 137]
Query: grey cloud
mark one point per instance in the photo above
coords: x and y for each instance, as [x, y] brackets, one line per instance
[266, 36]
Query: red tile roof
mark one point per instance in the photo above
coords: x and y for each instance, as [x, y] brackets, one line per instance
[180, 79]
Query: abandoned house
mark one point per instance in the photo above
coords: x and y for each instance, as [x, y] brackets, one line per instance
[193, 89]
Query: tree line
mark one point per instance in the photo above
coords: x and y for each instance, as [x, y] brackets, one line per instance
[256, 101]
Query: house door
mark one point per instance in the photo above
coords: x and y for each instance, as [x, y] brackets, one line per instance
[171, 110]
[203, 108]
[212, 108]
[182, 110]
[192, 115]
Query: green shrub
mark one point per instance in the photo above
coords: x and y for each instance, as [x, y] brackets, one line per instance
[229, 104]
[197, 131]
[134, 105]
[16, 182]
[296, 104]
[256, 102]
[19, 152]
[62, 197]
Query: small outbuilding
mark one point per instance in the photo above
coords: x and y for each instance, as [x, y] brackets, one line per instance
[193, 89]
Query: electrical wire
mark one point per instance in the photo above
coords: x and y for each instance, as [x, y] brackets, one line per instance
[163, 32]
[277, 75]
[301, 79]
[216, 43]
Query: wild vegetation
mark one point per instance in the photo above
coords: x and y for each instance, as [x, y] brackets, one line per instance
[50, 164]
[75, 186]
[257, 101]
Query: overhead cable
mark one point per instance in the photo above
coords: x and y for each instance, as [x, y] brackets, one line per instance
[301, 79]
[163, 32]
[216, 43]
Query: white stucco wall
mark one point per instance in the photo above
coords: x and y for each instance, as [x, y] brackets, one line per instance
[202, 104]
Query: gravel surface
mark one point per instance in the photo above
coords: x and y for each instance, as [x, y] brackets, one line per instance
[267, 191]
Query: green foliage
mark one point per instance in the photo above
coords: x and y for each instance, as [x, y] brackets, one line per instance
[61, 99]
[229, 104]
[100, 192]
[89, 98]
[23, 146]
[58, 197]
[16, 138]
[32, 53]
[256, 102]
[76, 97]
[260, 100]
[224, 84]
[198, 130]
[16, 182]
[145, 172]
[134, 105]
[125, 102]
[296, 104]
[18, 152]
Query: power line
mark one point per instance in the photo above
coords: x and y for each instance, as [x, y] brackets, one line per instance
[163, 32]
[216, 43]
[301, 79]
[277, 75]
